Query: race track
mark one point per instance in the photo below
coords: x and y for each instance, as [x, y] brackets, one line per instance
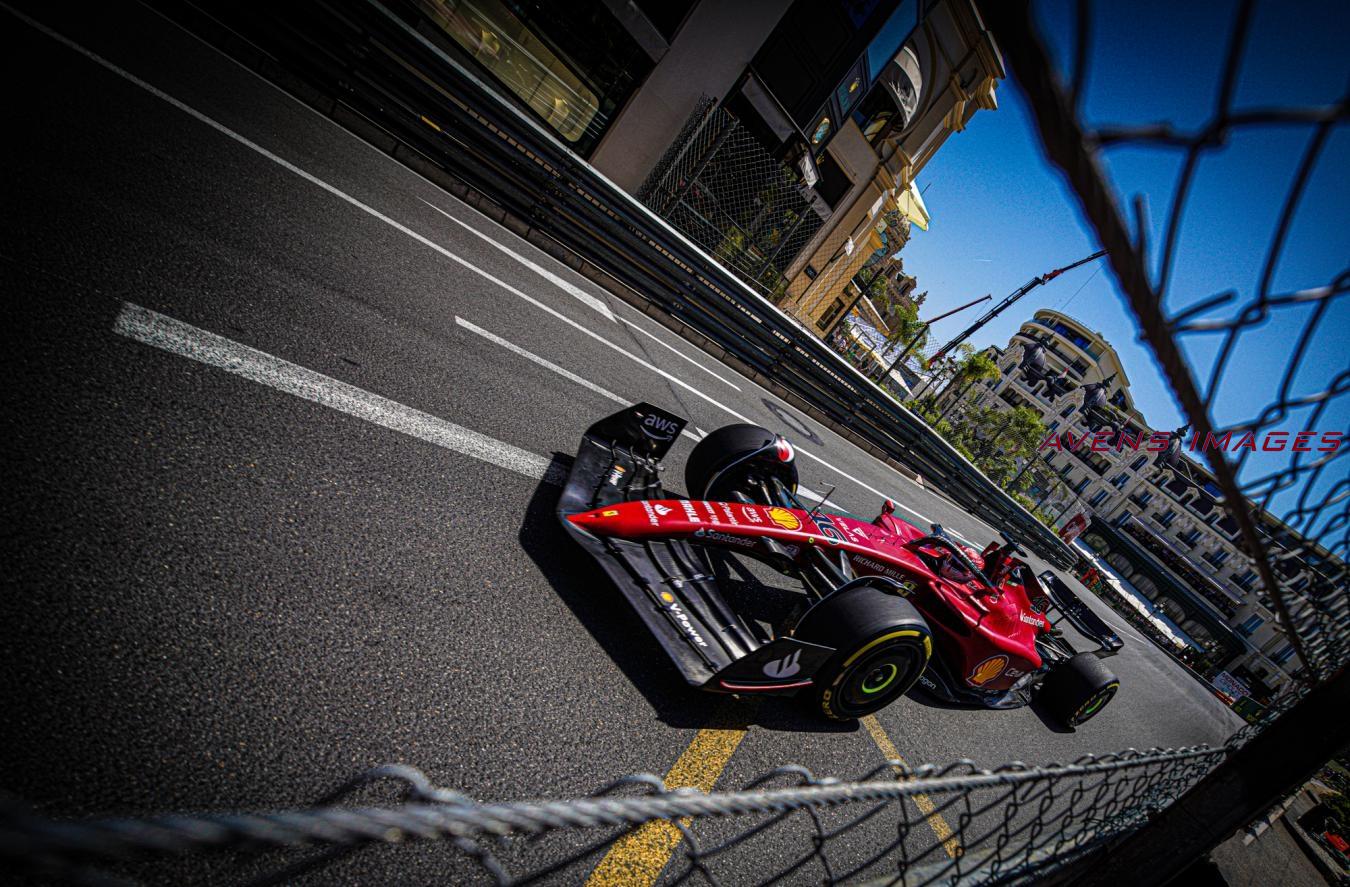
[284, 422]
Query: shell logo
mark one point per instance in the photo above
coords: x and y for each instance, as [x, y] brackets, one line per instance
[989, 669]
[667, 597]
[784, 518]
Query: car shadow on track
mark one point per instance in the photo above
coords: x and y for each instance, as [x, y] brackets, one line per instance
[602, 610]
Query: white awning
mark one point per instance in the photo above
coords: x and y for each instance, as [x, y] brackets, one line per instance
[910, 204]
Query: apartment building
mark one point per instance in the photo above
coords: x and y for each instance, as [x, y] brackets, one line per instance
[1153, 516]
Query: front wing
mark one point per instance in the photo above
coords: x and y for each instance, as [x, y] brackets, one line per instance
[667, 581]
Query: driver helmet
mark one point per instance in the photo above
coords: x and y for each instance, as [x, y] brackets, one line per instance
[953, 570]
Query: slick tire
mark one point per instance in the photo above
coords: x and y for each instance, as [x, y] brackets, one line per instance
[715, 466]
[1077, 689]
[882, 646]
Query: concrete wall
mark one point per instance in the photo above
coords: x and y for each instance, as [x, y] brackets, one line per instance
[710, 52]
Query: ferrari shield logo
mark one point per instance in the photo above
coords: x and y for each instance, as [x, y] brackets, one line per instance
[989, 669]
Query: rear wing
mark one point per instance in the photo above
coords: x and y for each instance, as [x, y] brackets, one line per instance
[1083, 618]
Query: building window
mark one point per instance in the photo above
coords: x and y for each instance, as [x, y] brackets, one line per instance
[1283, 654]
[1138, 463]
[836, 308]
[1250, 625]
[1246, 580]
[1097, 499]
[834, 182]
[821, 130]
[1216, 558]
[850, 90]
[1067, 411]
[572, 67]
[1165, 518]
[1119, 480]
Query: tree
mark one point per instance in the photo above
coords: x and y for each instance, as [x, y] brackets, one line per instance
[976, 366]
[905, 323]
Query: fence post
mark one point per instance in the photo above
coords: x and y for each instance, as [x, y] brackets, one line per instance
[801, 217]
[678, 195]
[1253, 779]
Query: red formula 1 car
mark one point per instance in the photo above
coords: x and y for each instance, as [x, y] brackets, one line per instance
[889, 605]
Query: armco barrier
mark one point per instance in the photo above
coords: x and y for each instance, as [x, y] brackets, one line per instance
[372, 67]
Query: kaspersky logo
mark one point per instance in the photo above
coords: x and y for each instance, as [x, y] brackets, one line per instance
[785, 667]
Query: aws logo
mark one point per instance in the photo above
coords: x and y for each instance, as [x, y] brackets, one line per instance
[660, 428]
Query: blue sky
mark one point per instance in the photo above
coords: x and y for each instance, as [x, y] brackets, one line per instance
[1001, 214]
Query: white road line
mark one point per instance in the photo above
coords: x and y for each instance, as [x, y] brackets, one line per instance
[176, 337]
[546, 364]
[679, 353]
[286, 164]
[550, 365]
[566, 286]
[865, 486]
[816, 497]
[282, 162]
[312, 179]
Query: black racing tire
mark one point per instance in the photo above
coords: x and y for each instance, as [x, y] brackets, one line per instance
[1077, 689]
[704, 474]
[882, 646]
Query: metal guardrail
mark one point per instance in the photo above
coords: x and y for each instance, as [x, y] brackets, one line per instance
[375, 60]
[1151, 811]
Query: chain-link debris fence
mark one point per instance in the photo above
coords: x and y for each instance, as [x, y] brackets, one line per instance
[836, 269]
[721, 188]
[955, 824]
[1291, 506]
[892, 825]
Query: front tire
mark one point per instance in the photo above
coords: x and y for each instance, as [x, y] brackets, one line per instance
[724, 461]
[1077, 689]
[882, 646]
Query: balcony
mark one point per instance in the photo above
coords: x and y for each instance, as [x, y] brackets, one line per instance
[1024, 389]
[1216, 560]
[1194, 575]
[1098, 466]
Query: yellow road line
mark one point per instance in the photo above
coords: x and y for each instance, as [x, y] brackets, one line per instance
[639, 856]
[940, 826]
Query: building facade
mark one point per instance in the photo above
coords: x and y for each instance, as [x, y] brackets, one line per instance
[1155, 517]
[783, 136]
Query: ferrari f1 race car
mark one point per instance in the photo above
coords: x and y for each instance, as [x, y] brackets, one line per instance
[889, 604]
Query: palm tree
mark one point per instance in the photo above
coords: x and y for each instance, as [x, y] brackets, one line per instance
[974, 367]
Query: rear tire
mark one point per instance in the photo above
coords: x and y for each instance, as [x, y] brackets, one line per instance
[1077, 689]
[882, 645]
[713, 469]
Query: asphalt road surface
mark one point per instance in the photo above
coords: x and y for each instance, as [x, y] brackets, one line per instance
[283, 425]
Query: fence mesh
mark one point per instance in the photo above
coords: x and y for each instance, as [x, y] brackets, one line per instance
[1294, 518]
[720, 187]
[834, 268]
[893, 824]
